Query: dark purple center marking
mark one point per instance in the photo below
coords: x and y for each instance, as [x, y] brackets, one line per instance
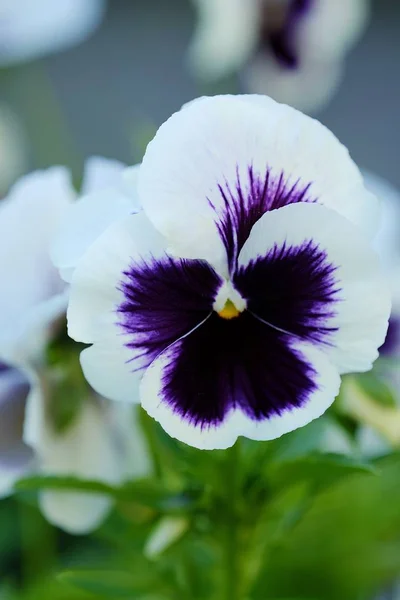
[294, 288]
[246, 203]
[247, 362]
[164, 300]
[239, 363]
[282, 40]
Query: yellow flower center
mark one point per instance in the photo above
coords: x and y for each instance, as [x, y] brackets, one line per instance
[229, 311]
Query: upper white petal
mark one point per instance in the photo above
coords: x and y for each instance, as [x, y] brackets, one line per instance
[226, 33]
[362, 313]
[211, 140]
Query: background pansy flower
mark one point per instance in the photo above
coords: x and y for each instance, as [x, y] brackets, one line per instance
[379, 429]
[108, 193]
[94, 443]
[292, 50]
[235, 299]
[29, 30]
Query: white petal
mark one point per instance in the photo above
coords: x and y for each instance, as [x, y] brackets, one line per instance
[111, 194]
[29, 30]
[361, 325]
[308, 88]
[225, 36]
[135, 457]
[107, 367]
[94, 293]
[85, 221]
[330, 29]
[166, 532]
[236, 423]
[7, 481]
[101, 173]
[29, 217]
[74, 512]
[33, 332]
[85, 450]
[212, 140]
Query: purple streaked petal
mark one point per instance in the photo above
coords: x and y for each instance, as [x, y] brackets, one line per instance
[246, 203]
[164, 300]
[294, 288]
[238, 364]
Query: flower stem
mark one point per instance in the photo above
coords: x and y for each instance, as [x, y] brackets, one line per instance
[231, 538]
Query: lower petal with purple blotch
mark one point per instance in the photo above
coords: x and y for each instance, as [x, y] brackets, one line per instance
[237, 377]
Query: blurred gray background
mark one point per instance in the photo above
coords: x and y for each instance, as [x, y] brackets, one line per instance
[108, 95]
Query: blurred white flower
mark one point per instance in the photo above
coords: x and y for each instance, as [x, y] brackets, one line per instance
[33, 28]
[109, 194]
[291, 50]
[380, 425]
[96, 444]
[167, 531]
[13, 148]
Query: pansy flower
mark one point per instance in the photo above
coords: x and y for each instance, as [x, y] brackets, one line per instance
[292, 50]
[101, 440]
[29, 30]
[237, 297]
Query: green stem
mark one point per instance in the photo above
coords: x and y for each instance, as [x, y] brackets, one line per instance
[231, 538]
[38, 542]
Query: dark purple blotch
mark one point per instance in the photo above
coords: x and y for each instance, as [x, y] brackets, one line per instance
[239, 363]
[283, 41]
[164, 300]
[249, 362]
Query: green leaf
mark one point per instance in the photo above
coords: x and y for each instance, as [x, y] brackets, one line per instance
[50, 482]
[106, 584]
[149, 493]
[345, 546]
[319, 470]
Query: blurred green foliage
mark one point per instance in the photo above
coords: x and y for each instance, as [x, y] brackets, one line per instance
[288, 522]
